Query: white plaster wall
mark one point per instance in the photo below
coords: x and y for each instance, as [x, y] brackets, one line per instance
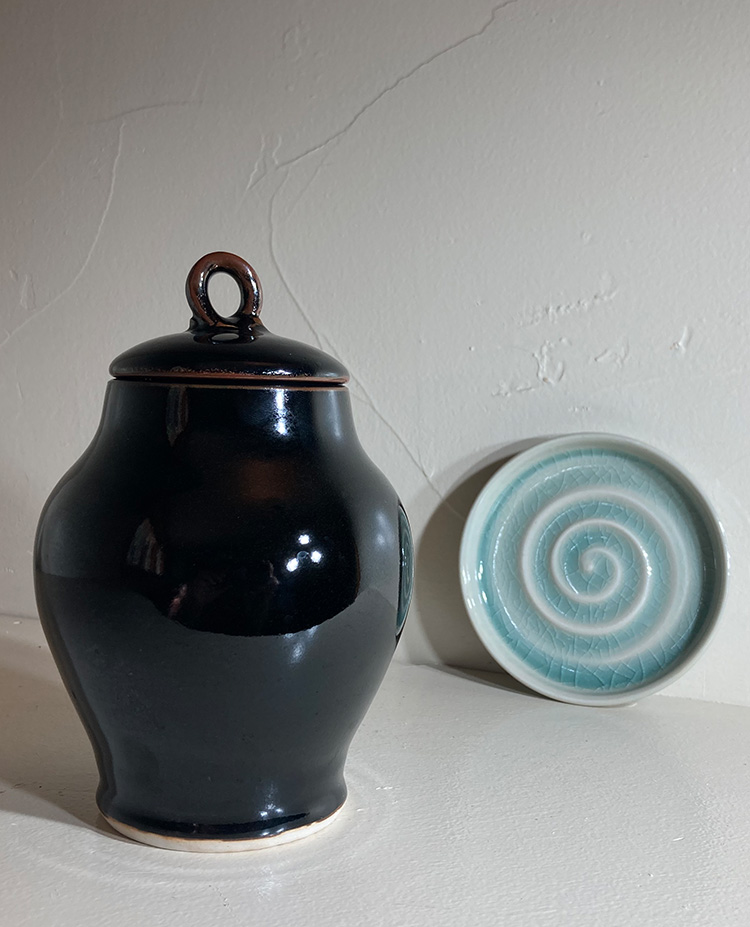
[508, 221]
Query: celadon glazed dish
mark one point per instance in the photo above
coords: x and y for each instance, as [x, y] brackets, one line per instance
[593, 569]
[223, 578]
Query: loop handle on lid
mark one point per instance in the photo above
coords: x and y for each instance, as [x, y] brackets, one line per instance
[196, 290]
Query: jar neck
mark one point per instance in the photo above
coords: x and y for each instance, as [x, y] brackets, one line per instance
[274, 416]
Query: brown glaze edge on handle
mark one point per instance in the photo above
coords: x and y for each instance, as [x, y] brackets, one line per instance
[196, 290]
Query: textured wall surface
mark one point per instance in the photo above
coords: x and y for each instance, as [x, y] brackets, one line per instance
[509, 221]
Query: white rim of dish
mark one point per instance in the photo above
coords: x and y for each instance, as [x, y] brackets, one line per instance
[468, 557]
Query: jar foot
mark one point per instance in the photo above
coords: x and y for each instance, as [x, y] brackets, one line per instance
[219, 844]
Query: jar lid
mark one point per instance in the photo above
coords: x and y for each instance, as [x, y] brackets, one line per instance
[236, 348]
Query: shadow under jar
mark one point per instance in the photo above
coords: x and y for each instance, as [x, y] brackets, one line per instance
[223, 577]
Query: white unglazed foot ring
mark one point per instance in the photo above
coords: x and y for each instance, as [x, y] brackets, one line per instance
[219, 844]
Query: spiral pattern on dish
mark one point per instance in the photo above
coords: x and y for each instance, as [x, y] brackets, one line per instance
[593, 569]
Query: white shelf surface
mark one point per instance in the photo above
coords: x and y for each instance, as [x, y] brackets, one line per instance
[469, 804]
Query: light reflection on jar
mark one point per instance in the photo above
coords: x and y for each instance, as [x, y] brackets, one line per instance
[302, 640]
[382, 535]
[281, 412]
[303, 556]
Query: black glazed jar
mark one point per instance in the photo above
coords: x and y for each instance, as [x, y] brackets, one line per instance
[222, 578]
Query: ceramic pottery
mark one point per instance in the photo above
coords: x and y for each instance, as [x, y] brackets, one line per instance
[593, 569]
[222, 578]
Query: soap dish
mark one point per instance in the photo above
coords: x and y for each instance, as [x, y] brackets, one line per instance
[593, 569]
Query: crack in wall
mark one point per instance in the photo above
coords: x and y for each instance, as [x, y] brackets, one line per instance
[277, 265]
[97, 235]
[60, 111]
[397, 83]
[260, 163]
[318, 167]
[325, 344]
[367, 399]
[167, 104]
[199, 76]
[261, 168]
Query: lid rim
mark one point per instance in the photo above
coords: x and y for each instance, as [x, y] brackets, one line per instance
[255, 379]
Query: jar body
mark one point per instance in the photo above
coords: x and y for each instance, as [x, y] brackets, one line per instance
[222, 578]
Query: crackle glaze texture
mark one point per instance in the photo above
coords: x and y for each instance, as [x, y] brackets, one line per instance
[598, 572]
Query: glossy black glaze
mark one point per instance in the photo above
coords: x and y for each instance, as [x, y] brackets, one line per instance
[222, 577]
[251, 353]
